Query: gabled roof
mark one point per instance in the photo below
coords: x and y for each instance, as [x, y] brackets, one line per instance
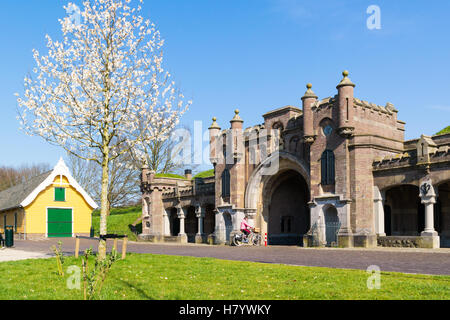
[25, 193]
[13, 197]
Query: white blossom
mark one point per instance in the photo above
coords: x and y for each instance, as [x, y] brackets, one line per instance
[102, 84]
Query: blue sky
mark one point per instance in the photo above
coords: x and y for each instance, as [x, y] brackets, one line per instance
[257, 55]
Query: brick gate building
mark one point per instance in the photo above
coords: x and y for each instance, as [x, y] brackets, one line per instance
[337, 172]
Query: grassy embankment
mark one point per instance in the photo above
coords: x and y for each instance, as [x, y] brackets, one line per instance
[144, 276]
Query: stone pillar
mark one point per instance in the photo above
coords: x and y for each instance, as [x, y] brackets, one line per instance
[378, 208]
[200, 213]
[182, 235]
[315, 237]
[430, 238]
[146, 216]
[212, 238]
[166, 223]
[345, 235]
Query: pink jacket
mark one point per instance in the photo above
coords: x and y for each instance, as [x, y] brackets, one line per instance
[245, 225]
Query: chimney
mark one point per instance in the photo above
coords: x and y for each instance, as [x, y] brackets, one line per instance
[188, 174]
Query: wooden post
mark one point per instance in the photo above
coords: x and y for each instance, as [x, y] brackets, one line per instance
[124, 248]
[115, 244]
[77, 247]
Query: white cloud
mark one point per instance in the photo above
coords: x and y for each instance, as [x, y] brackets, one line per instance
[292, 8]
[440, 108]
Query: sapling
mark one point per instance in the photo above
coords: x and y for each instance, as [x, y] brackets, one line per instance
[94, 279]
[59, 258]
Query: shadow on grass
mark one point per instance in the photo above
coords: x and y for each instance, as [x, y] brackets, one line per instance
[141, 292]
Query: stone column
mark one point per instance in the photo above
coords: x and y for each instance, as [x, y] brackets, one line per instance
[166, 223]
[345, 234]
[200, 213]
[213, 238]
[146, 216]
[182, 235]
[378, 209]
[430, 238]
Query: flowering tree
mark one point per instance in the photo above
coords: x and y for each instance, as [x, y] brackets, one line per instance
[101, 90]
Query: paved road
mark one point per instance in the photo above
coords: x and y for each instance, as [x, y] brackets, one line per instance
[420, 261]
[7, 254]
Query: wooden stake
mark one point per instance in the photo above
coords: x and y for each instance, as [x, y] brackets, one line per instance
[124, 248]
[115, 244]
[77, 247]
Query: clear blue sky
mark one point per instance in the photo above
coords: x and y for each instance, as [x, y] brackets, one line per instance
[257, 55]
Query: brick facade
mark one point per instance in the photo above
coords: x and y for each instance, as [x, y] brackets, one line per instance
[345, 151]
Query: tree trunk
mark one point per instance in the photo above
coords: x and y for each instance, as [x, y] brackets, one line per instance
[104, 212]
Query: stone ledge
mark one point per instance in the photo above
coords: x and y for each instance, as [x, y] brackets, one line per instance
[429, 242]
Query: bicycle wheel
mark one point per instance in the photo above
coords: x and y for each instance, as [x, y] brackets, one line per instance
[256, 240]
[236, 241]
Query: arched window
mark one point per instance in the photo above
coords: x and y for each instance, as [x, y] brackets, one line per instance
[226, 183]
[327, 162]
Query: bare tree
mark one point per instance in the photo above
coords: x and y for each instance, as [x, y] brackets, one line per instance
[10, 176]
[124, 182]
[101, 91]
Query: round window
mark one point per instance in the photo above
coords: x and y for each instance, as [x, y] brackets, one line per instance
[328, 130]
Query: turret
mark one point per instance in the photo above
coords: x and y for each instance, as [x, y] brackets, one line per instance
[236, 137]
[214, 132]
[345, 105]
[236, 122]
[145, 172]
[308, 121]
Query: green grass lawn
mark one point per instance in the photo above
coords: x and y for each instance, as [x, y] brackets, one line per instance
[443, 131]
[205, 174]
[119, 220]
[145, 276]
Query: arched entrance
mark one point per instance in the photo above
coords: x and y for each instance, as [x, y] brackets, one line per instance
[332, 226]
[174, 222]
[228, 222]
[407, 214]
[191, 224]
[209, 223]
[288, 214]
[442, 214]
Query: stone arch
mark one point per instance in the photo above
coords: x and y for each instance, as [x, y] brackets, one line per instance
[285, 208]
[174, 222]
[441, 178]
[262, 185]
[442, 213]
[228, 224]
[278, 125]
[284, 161]
[406, 212]
[332, 224]
[190, 223]
[209, 221]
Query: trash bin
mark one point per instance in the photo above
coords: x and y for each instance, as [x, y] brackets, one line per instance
[9, 236]
[92, 232]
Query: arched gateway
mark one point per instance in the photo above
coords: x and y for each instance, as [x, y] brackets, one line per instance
[288, 213]
[280, 199]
